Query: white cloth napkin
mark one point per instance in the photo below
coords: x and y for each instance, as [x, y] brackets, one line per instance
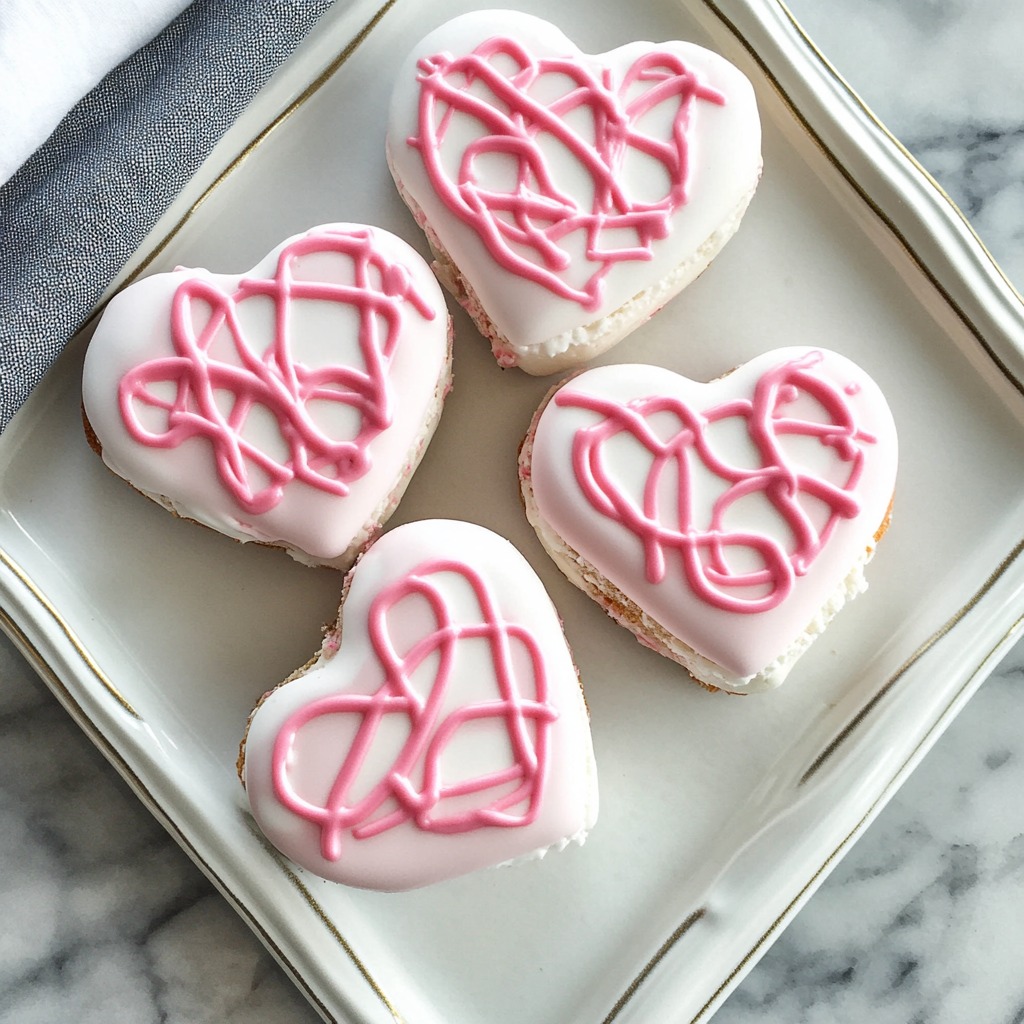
[52, 52]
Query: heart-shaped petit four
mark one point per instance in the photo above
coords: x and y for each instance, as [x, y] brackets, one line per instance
[726, 523]
[441, 728]
[568, 197]
[289, 405]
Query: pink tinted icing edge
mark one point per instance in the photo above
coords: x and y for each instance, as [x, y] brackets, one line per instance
[710, 578]
[272, 379]
[538, 214]
[428, 737]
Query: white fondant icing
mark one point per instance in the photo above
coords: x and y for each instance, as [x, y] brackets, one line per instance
[406, 856]
[535, 327]
[738, 651]
[314, 525]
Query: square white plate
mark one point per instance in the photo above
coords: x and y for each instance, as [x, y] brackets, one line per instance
[719, 815]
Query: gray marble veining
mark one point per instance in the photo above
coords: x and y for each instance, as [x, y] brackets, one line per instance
[921, 922]
[945, 76]
[105, 920]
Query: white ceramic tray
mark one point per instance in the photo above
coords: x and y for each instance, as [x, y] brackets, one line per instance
[719, 815]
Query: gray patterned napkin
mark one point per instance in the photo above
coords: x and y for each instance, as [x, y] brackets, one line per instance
[82, 203]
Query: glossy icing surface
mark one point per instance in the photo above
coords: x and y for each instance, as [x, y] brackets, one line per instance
[445, 732]
[730, 512]
[563, 184]
[282, 405]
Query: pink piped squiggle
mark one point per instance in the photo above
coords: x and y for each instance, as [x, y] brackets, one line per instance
[524, 228]
[266, 375]
[413, 788]
[703, 551]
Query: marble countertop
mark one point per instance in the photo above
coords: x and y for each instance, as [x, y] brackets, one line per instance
[105, 919]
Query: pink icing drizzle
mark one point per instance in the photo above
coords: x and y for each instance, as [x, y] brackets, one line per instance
[523, 228]
[413, 788]
[703, 551]
[270, 377]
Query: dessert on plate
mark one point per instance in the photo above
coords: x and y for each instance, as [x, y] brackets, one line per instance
[722, 523]
[440, 729]
[288, 405]
[568, 197]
